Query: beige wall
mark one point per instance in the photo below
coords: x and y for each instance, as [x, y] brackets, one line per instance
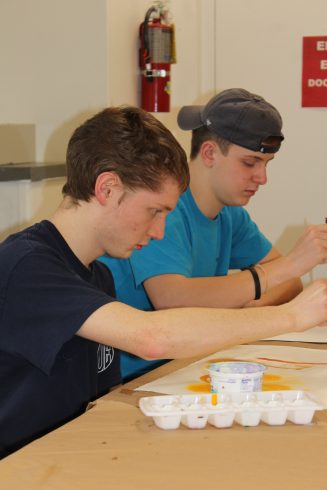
[24, 203]
[53, 67]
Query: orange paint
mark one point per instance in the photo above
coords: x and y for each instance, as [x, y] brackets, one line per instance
[267, 378]
[275, 387]
[199, 388]
[273, 382]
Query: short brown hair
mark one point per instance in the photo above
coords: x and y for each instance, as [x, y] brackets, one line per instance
[202, 134]
[128, 141]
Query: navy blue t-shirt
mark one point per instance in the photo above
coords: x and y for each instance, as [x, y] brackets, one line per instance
[48, 374]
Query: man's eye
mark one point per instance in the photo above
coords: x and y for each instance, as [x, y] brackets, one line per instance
[249, 164]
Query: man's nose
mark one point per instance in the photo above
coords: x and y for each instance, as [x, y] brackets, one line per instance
[260, 176]
[157, 230]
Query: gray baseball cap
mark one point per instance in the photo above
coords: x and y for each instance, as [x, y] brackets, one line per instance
[238, 116]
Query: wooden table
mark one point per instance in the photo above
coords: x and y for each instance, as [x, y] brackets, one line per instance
[114, 446]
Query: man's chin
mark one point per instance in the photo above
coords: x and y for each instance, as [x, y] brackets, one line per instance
[127, 254]
[121, 255]
[242, 201]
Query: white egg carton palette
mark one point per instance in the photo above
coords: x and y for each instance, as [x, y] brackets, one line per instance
[221, 410]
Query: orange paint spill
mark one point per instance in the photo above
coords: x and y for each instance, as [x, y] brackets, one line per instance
[199, 388]
[205, 378]
[275, 387]
[270, 377]
[273, 382]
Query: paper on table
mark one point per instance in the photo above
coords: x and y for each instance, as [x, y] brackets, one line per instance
[288, 368]
[313, 335]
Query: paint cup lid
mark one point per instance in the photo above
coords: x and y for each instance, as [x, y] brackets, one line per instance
[236, 367]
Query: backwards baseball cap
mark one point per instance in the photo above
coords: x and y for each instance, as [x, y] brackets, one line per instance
[238, 116]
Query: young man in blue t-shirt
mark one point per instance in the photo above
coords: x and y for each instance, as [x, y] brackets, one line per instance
[209, 233]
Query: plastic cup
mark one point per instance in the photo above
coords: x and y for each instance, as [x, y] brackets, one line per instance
[236, 376]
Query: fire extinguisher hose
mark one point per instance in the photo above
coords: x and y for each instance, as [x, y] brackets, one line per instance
[147, 58]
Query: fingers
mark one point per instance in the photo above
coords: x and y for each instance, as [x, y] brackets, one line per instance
[319, 239]
[317, 230]
[310, 250]
[320, 230]
[316, 237]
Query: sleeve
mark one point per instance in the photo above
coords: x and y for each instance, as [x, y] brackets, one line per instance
[249, 245]
[44, 305]
[171, 255]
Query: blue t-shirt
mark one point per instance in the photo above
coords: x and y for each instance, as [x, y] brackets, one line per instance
[47, 373]
[193, 246]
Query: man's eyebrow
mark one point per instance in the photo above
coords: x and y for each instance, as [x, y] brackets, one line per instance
[164, 207]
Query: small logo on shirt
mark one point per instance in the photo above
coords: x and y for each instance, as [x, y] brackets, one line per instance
[105, 357]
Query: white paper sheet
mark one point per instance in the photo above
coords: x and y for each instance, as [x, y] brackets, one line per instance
[313, 335]
[288, 368]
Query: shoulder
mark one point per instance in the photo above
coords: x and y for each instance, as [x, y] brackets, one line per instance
[17, 247]
[237, 216]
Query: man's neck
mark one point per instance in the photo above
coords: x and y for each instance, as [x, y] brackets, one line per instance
[76, 224]
[202, 191]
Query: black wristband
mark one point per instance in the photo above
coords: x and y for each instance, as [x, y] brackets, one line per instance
[257, 285]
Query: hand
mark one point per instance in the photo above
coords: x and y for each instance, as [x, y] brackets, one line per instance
[310, 250]
[310, 306]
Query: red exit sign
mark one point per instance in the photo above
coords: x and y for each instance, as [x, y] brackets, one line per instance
[314, 71]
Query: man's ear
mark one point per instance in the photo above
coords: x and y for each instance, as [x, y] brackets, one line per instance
[208, 152]
[105, 185]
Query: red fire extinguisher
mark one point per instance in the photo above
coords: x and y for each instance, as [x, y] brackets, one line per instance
[157, 53]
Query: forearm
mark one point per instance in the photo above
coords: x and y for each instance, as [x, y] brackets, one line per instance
[183, 333]
[233, 291]
[279, 294]
[279, 272]
[176, 291]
